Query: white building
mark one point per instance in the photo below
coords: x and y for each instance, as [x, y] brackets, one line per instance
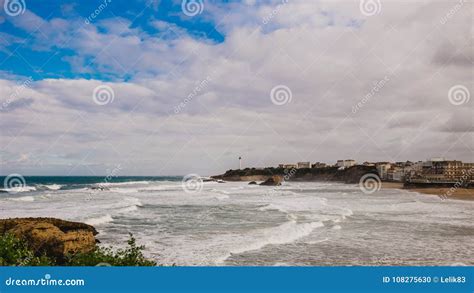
[396, 174]
[429, 163]
[301, 165]
[345, 163]
[288, 166]
[382, 169]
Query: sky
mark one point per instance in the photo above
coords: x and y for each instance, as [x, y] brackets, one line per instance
[152, 87]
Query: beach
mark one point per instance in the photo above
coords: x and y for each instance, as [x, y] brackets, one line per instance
[445, 193]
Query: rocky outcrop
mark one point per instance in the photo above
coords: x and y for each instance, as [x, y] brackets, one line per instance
[52, 237]
[273, 181]
[252, 183]
[347, 175]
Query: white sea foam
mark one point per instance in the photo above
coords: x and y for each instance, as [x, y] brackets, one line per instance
[286, 233]
[99, 220]
[272, 206]
[221, 197]
[19, 189]
[220, 191]
[162, 186]
[318, 241]
[131, 208]
[128, 209]
[108, 184]
[51, 186]
[23, 198]
[124, 190]
[132, 204]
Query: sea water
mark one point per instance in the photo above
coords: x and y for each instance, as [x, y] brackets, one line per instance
[233, 223]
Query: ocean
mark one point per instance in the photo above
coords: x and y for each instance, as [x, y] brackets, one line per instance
[236, 224]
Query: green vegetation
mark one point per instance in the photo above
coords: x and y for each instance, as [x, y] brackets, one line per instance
[15, 252]
[330, 173]
[104, 256]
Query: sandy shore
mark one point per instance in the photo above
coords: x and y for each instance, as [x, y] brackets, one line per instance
[459, 193]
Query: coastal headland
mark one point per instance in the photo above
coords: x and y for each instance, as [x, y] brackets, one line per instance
[349, 175]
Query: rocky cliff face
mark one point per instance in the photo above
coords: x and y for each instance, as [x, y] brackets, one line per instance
[53, 237]
[348, 175]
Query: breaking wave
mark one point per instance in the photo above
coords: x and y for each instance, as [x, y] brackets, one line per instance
[99, 220]
[286, 233]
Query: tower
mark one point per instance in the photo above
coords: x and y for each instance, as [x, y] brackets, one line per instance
[240, 163]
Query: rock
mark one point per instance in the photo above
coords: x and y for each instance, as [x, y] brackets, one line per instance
[53, 237]
[273, 181]
[252, 183]
[101, 188]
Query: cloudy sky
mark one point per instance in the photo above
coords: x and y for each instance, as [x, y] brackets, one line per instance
[171, 87]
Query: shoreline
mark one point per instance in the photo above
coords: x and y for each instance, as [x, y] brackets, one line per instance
[350, 175]
[444, 192]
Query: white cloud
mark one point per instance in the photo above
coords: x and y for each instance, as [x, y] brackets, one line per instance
[328, 53]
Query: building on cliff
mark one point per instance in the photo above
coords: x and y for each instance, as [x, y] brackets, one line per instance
[299, 165]
[345, 163]
[318, 165]
[302, 165]
[288, 166]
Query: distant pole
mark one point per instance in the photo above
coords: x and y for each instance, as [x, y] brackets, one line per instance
[240, 163]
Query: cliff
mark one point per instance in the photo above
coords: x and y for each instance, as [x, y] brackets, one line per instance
[52, 237]
[347, 175]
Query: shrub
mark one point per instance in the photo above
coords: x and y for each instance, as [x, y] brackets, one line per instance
[132, 255]
[15, 252]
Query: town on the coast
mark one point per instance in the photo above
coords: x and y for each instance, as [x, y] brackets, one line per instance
[437, 171]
